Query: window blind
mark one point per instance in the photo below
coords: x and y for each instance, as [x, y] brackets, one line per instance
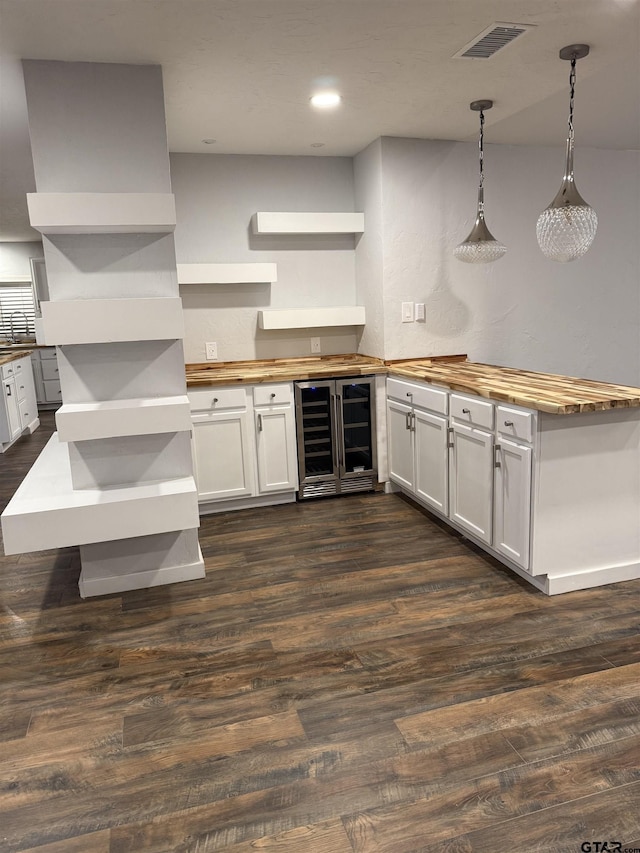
[17, 309]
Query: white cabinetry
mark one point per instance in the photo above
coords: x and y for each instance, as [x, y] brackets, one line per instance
[46, 378]
[18, 409]
[275, 438]
[244, 445]
[447, 453]
[471, 466]
[417, 436]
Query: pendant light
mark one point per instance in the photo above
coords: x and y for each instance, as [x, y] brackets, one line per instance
[566, 229]
[480, 247]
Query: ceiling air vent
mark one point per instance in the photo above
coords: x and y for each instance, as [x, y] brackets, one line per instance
[492, 39]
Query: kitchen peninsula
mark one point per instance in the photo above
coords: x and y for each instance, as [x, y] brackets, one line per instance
[541, 471]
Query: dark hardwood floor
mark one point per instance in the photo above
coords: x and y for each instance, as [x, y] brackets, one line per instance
[350, 676]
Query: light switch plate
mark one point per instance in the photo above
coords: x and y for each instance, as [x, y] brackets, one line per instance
[211, 349]
[420, 311]
[315, 345]
[407, 312]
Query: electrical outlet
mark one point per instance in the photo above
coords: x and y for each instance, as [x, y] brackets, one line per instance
[212, 351]
[315, 344]
[407, 312]
[420, 311]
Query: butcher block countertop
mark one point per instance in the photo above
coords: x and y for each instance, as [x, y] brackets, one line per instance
[6, 357]
[546, 392]
[282, 369]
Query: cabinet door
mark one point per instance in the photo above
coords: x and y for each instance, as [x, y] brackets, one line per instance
[13, 424]
[471, 480]
[513, 501]
[276, 447]
[223, 455]
[400, 444]
[432, 457]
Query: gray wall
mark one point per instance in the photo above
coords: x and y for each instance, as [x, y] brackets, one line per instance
[581, 318]
[216, 195]
[14, 258]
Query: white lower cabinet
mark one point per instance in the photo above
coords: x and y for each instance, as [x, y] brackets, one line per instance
[222, 455]
[244, 445]
[512, 523]
[47, 380]
[453, 461]
[18, 410]
[431, 475]
[471, 480]
[276, 449]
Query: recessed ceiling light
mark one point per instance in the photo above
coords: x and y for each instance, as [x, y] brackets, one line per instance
[325, 100]
[209, 141]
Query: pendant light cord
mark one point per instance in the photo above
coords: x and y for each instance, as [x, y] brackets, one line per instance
[572, 86]
[481, 157]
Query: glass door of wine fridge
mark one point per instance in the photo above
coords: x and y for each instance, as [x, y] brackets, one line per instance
[335, 421]
[355, 398]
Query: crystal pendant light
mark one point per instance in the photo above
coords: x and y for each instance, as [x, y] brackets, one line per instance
[480, 247]
[566, 229]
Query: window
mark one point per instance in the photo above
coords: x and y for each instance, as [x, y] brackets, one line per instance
[16, 310]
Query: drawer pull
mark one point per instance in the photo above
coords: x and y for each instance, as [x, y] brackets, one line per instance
[409, 393]
[508, 423]
[272, 395]
[497, 456]
[215, 399]
[466, 411]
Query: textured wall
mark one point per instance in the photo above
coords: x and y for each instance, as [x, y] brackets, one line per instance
[525, 311]
[216, 195]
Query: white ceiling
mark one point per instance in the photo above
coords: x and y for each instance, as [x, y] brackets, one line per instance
[242, 72]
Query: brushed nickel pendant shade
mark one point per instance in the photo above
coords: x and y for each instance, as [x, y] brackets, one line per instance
[480, 247]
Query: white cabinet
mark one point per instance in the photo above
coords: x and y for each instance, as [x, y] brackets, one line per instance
[417, 442]
[222, 446]
[244, 445]
[47, 381]
[468, 459]
[471, 480]
[513, 501]
[18, 410]
[400, 444]
[275, 438]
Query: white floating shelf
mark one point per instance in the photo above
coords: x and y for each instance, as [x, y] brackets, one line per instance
[96, 321]
[47, 512]
[309, 318]
[308, 223]
[226, 273]
[113, 418]
[101, 213]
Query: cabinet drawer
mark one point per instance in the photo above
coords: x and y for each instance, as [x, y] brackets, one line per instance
[21, 387]
[215, 399]
[514, 423]
[49, 368]
[52, 392]
[27, 413]
[8, 370]
[47, 352]
[271, 395]
[424, 396]
[472, 410]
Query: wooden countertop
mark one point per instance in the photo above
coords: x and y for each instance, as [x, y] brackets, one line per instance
[546, 392]
[5, 358]
[282, 369]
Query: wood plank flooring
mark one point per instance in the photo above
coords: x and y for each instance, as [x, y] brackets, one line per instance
[350, 676]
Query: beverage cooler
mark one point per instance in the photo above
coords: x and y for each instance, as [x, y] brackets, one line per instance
[335, 422]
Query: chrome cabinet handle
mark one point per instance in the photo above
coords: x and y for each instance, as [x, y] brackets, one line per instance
[407, 424]
[409, 393]
[465, 411]
[496, 460]
[272, 396]
[215, 399]
[412, 421]
[449, 434]
[8, 387]
[508, 423]
[259, 422]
